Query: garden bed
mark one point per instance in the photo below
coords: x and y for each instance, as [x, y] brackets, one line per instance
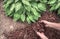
[29, 32]
[25, 31]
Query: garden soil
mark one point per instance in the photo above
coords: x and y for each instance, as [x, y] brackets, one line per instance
[29, 31]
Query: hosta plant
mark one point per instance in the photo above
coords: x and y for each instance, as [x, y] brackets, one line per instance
[25, 10]
[29, 10]
[54, 5]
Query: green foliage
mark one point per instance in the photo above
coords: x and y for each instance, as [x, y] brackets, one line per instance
[24, 10]
[29, 10]
[54, 4]
[52, 1]
[17, 6]
[43, 1]
[42, 6]
[16, 16]
[59, 11]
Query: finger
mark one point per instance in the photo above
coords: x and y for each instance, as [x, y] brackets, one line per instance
[42, 35]
[41, 21]
[44, 21]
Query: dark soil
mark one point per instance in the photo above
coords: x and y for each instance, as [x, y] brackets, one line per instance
[29, 32]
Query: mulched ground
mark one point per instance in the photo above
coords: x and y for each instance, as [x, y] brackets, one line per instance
[29, 32]
[20, 32]
[7, 24]
[50, 32]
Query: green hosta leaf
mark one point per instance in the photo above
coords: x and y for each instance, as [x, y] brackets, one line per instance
[12, 7]
[21, 10]
[28, 8]
[58, 0]
[42, 6]
[59, 11]
[35, 5]
[16, 1]
[36, 18]
[6, 6]
[26, 2]
[43, 1]
[33, 10]
[31, 18]
[8, 2]
[8, 12]
[53, 7]
[23, 17]
[52, 1]
[16, 16]
[17, 6]
[28, 20]
[57, 6]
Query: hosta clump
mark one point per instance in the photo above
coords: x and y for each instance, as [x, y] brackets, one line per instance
[55, 5]
[24, 10]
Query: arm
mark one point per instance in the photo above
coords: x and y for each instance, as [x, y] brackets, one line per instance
[52, 25]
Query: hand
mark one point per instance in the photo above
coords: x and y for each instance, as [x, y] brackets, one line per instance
[41, 35]
[47, 24]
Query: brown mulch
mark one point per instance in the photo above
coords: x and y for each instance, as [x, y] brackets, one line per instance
[29, 32]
